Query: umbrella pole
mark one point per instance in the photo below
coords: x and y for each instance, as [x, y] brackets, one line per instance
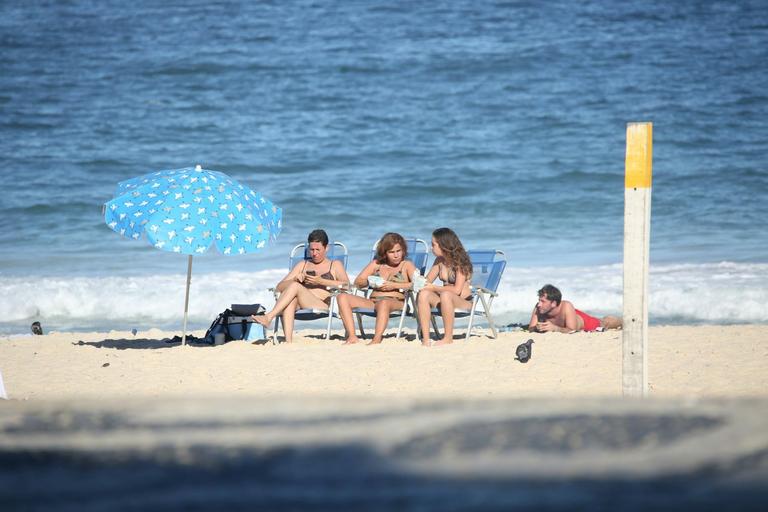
[186, 301]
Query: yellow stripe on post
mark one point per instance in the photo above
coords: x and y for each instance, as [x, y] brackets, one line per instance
[639, 159]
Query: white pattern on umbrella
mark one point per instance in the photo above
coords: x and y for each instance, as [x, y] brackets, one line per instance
[188, 210]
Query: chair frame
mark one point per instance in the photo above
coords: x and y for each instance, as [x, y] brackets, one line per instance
[480, 294]
[408, 298]
[305, 314]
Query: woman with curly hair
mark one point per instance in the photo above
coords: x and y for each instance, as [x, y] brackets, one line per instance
[393, 275]
[453, 267]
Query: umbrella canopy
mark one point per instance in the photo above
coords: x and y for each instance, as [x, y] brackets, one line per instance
[189, 210]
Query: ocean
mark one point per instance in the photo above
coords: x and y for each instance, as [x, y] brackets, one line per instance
[503, 120]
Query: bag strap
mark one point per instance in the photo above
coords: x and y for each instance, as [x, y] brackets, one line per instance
[244, 329]
[225, 318]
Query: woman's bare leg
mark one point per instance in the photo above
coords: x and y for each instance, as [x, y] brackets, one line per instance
[295, 295]
[449, 301]
[425, 300]
[306, 299]
[383, 309]
[346, 302]
[289, 313]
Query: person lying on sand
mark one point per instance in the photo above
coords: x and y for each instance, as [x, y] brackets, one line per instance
[395, 274]
[553, 314]
[306, 285]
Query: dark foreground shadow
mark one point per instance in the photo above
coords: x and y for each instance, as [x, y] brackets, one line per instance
[217, 460]
[348, 477]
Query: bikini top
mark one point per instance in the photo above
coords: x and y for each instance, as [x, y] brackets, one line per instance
[397, 277]
[447, 275]
[327, 275]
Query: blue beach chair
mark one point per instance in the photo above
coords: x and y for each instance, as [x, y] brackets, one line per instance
[487, 268]
[418, 253]
[336, 251]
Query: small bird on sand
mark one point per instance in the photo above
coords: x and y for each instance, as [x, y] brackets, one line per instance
[524, 351]
[37, 328]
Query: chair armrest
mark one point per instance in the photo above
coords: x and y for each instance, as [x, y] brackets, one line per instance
[367, 290]
[343, 288]
[486, 291]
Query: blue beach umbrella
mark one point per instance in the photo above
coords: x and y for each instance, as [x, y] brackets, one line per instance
[189, 210]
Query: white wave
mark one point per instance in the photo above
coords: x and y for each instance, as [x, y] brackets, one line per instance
[152, 300]
[723, 292]
[712, 293]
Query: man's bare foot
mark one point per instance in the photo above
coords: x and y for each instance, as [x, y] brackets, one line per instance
[261, 320]
[351, 341]
[443, 341]
[611, 322]
[374, 341]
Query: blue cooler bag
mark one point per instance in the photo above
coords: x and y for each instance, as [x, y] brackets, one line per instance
[236, 324]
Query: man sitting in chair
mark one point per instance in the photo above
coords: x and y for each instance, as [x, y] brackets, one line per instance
[553, 314]
[306, 285]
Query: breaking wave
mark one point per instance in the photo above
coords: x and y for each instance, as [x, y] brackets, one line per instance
[719, 293]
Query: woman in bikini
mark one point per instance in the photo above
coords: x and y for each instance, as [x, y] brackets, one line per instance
[390, 265]
[453, 267]
[306, 285]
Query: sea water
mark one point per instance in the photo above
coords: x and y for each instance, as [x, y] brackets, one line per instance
[502, 120]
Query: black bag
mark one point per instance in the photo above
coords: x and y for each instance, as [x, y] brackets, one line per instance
[236, 324]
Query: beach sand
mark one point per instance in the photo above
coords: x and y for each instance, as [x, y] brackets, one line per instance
[121, 422]
[684, 361]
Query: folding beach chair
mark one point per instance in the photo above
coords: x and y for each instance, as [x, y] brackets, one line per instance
[487, 269]
[336, 251]
[418, 253]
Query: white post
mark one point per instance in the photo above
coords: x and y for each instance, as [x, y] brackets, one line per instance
[3, 394]
[637, 233]
[186, 301]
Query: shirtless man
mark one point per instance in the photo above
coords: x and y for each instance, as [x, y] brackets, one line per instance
[553, 314]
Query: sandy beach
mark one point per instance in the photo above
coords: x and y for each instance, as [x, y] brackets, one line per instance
[92, 417]
[165, 160]
[684, 361]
